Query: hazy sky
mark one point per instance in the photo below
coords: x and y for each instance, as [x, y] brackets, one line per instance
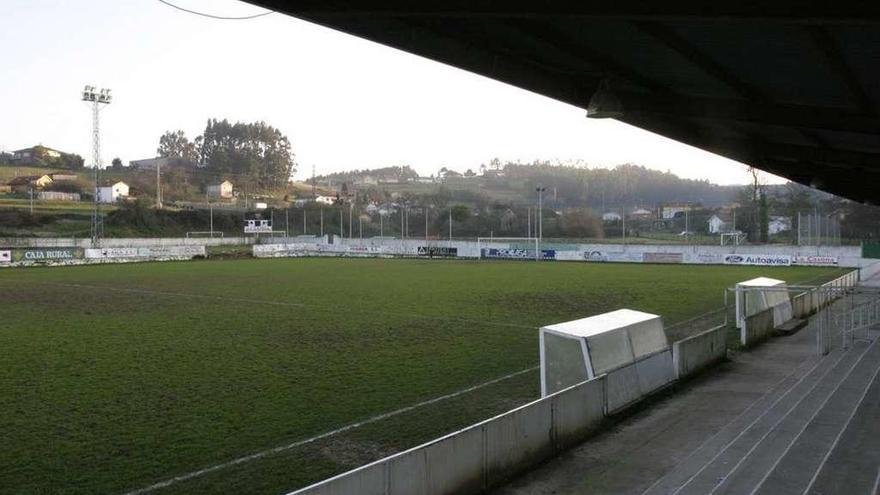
[343, 102]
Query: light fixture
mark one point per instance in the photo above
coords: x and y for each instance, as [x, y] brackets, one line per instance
[604, 104]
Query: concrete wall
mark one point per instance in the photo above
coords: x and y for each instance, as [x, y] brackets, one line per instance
[757, 327]
[481, 455]
[122, 241]
[699, 351]
[487, 453]
[635, 253]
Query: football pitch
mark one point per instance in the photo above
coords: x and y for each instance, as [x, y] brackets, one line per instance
[262, 376]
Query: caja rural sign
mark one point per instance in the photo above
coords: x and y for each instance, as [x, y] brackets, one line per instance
[757, 259]
[47, 255]
[517, 254]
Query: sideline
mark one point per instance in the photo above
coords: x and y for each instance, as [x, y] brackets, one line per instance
[282, 448]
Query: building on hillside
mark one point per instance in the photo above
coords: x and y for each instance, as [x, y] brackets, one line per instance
[112, 192]
[611, 216]
[641, 213]
[163, 162]
[719, 223]
[671, 210]
[222, 190]
[57, 196]
[26, 183]
[778, 224]
[318, 198]
[35, 153]
[367, 180]
[62, 176]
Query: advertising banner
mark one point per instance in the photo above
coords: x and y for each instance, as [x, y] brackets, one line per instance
[439, 251]
[517, 254]
[757, 259]
[47, 255]
[707, 258]
[816, 260]
[171, 251]
[5, 256]
[613, 256]
[663, 257]
[103, 253]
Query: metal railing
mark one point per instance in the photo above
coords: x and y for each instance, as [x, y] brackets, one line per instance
[855, 322]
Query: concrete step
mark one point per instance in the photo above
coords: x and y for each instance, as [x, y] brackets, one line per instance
[853, 465]
[786, 461]
[781, 395]
[804, 398]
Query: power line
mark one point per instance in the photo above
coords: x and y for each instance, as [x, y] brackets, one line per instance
[220, 17]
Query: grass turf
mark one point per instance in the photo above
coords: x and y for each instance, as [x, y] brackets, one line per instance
[115, 377]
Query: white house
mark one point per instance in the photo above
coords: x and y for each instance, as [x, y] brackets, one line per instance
[113, 192]
[717, 225]
[611, 216]
[326, 200]
[777, 225]
[222, 190]
[670, 210]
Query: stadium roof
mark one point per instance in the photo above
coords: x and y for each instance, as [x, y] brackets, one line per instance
[790, 87]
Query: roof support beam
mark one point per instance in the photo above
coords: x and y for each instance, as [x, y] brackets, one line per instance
[697, 57]
[834, 57]
[558, 40]
[788, 11]
[801, 116]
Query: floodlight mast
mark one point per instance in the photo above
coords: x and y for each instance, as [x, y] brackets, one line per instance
[96, 98]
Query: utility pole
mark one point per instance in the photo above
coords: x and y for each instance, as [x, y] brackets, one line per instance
[350, 209]
[158, 184]
[450, 223]
[360, 227]
[426, 223]
[529, 221]
[381, 224]
[211, 209]
[32, 199]
[322, 221]
[304, 220]
[539, 222]
[341, 225]
[401, 211]
[96, 98]
[287, 222]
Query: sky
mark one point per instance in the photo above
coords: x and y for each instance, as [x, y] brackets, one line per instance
[342, 101]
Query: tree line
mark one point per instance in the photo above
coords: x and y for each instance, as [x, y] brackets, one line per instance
[256, 152]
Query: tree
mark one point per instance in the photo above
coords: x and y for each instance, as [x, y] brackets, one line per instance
[175, 144]
[469, 173]
[258, 152]
[116, 164]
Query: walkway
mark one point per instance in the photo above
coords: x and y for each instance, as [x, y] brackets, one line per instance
[775, 420]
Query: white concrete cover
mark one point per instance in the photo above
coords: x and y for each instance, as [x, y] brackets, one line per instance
[762, 282]
[606, 322]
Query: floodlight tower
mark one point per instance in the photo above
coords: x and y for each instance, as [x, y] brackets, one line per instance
[96, 98]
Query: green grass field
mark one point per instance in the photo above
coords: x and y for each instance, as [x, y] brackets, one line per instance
[117, 377]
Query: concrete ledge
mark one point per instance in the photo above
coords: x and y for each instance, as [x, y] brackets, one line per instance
[700, 351]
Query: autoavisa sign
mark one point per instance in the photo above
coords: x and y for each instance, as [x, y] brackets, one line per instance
[757, 259]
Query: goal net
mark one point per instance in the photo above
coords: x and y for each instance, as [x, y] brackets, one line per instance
[511, 248]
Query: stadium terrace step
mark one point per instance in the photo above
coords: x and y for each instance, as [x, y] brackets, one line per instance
[838, 452]
[788, 458]
[772, 428]
[748, 427]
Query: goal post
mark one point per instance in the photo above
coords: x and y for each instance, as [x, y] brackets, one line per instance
[514, 249]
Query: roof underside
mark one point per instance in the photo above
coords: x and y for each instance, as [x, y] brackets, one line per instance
[789, 87]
